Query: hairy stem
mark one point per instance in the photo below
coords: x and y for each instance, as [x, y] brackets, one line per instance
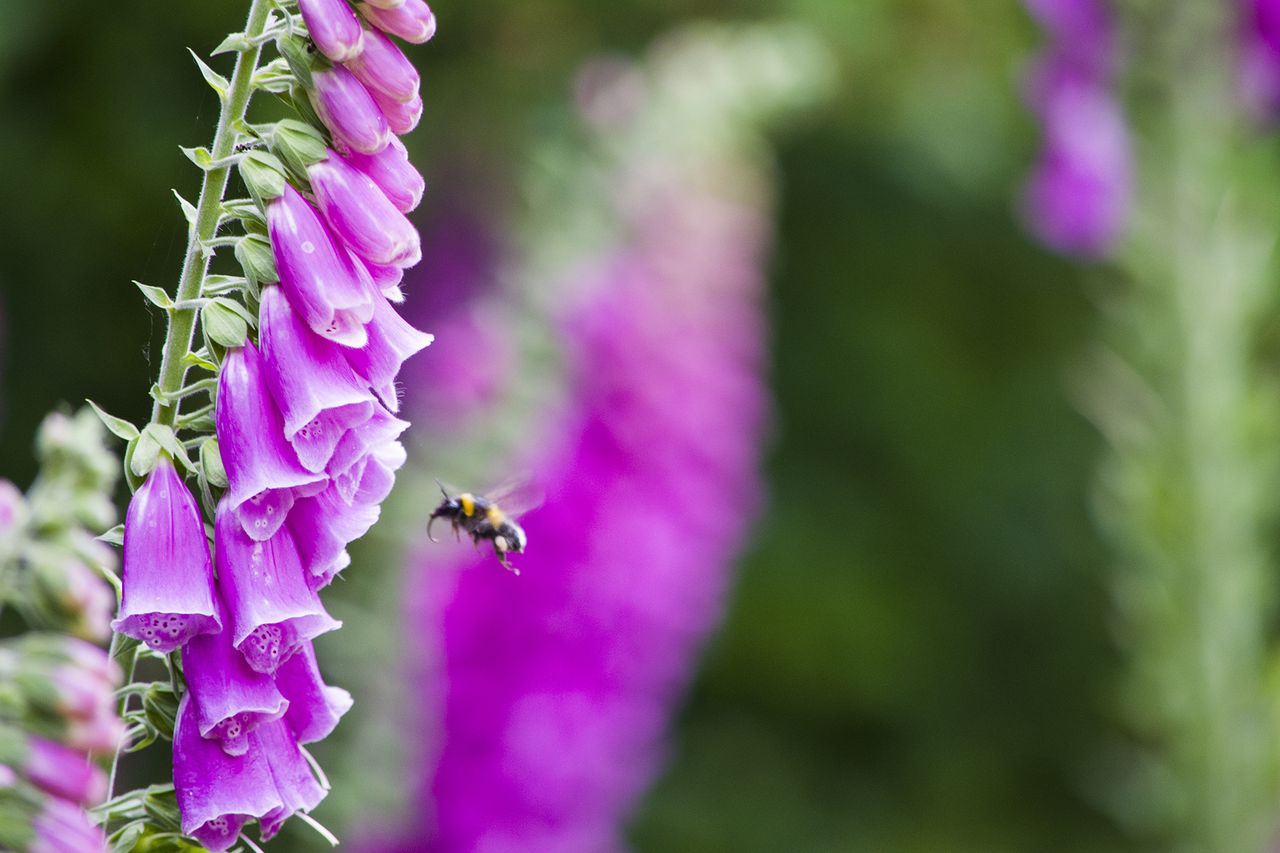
[195, 265]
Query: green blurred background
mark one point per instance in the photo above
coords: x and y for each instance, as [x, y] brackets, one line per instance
[917, 657]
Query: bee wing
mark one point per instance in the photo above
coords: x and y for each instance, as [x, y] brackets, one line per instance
[517, 496]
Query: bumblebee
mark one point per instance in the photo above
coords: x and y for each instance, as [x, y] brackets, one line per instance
[481, 518]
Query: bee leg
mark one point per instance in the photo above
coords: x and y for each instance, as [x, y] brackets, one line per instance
[429, 524]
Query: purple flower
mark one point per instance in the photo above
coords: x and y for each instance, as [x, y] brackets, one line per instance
[231, 698]
[382, 67]
[326, 524]
[262, 467]
[359, 213]
[317, 392]
[1078, 198]
[1260, 57]
[168, 573]
[61, 827]
[272, 608]
[325, 283]
[387, 280]
[290, 773]
[411, 20]
[393, 173]
[63, 771]
[217, 793]
[333, 27]
[392, 341]
[314, 707]
[557, 687]
[349, 111]
[402, 117]
[350, 459]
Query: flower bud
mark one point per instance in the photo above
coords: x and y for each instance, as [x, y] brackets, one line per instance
[349, 111]
[411, 20]
[359, 213]
[52, 767]
[327, 287]
[401, 117]
[382, 67]
[391, 170]
[333, 27]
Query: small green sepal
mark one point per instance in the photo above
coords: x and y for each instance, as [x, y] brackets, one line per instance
[200, 156]
[299, 145]
[211, 462]
[223, 324]
[296, 51]
[188, 209]
[157, 296]
[264, 175]
[219, 83]
[254, 255]
[118, 427]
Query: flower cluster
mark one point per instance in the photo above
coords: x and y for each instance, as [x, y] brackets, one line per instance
[1260, 57]
[1078, 197]
[47, 538]
[553, 692]
[307, 441]
[57, 715]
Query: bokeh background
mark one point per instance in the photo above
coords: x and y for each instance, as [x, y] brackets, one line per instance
[917, 653]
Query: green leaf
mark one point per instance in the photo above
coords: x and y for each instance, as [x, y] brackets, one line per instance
[223, 325]
[157, 296]
[114, 536]
[234, 43]
[119, 427]
[219, 83]
[200, 156]
[193, 360]
[211, 462]
[188, 209]
[256, 259]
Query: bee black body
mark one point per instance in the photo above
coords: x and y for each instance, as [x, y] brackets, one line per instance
[482, 520]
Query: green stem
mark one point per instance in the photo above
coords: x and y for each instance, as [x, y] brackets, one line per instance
[195, 266]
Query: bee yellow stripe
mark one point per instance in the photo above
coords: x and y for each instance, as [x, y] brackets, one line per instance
[495, 516]
[468, 505]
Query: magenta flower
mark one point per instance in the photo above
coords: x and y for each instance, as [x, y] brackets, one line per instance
[329, 288]
[392, 341]
[63, 771]
[217, 793]
[547, 742]
[361, 215]
[290, 773]
[325, 525]
[349, 111]
[382, 67]
[350, 459]
[411, 20]
[333, 27]
[391, 170]
[262, 467]
[63, 828]
[317, 391]
[168, 573]
[1260, 57]
[231, 698]
[272, 608]
[402, 117]
[314, 707]
[1078, 198]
